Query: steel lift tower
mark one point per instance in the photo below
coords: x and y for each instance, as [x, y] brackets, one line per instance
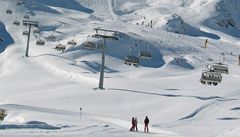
[105, 37]
[30, 24]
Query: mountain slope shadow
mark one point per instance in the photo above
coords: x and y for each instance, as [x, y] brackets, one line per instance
[192, 31]
[96, 67]
[45, 5]
[125, 44]
[5, 38]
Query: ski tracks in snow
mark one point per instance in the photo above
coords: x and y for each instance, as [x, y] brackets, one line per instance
[111, 6]
[207, 108]
[125, 124]
[107, 119]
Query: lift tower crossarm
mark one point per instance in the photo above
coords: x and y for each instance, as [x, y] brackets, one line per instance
[105, 37]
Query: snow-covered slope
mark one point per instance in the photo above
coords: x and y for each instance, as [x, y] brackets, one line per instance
[53, 93]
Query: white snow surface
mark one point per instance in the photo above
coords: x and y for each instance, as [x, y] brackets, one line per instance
[43, 93]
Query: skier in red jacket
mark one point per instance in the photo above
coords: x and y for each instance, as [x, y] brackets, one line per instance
[133, 124]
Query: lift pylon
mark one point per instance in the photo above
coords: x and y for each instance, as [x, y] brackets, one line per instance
[30, 24]
[104, 37]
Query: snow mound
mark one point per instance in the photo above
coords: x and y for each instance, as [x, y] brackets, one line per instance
[176, 24]
[226, 18]
[182, 62]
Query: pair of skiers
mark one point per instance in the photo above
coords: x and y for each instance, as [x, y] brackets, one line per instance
[135, 122]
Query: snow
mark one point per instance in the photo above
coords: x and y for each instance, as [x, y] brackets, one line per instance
[43, 93]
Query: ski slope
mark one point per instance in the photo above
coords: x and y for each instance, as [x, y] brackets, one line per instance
[43, 93]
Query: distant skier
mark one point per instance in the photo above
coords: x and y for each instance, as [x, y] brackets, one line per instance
[206, 42]
[146, 122]
[239, 59]
[133, 124]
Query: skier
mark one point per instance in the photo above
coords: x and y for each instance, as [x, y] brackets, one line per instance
[146, 122]
[206, 42]
[133, 125]
[239, 59]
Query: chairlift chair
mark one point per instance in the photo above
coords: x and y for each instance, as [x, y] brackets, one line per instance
[145, 54]
[17, 23]
[211, 78]
[219, 68]
[100, 46]
[60, 47]
[131, 60]
[26, 17]
[40, 42]
[25, 32]
[20, 2]
[88, 45]
[51, 38]
[36, 31]
[24, 24]
[9, 11]
[72, 42]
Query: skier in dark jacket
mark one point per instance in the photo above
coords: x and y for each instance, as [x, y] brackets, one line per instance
[135, 124]
[146, 122]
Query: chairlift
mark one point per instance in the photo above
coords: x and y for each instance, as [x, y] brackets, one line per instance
[17, 23]
[36, 31]
[218, 68]
[26, 17]
[9, 11]
[19, 3]
[100, 46]
[25, 24]
[88, 45]
[25, 32]
[145, 54]
[131, 60]
[72, 42]
[51, 38]
[60, 47]
[40, 42]
[211, 78]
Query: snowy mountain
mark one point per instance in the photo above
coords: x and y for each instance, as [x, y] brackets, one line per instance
[54, 92]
